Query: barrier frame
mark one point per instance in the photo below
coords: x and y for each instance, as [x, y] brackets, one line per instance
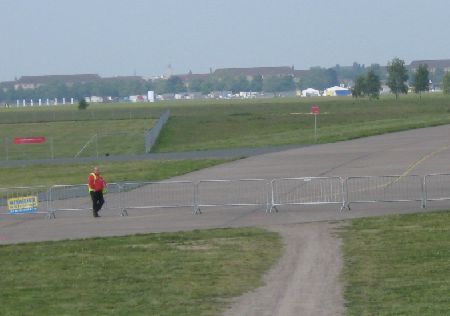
[426, 189]
[53, 210]
[36, 190]
[341, 202]
[396, 178]
[138, 184]
[199, 204]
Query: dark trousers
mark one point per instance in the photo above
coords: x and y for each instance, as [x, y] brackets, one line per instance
[97, 200]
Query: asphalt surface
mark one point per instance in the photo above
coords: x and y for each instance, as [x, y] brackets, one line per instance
[420, 151]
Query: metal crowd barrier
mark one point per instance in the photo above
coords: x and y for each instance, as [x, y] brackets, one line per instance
[24, 200]
[436, 187]
[371, 189]
[164, 194]
[243, 192]
[307, 191]
[77, 198]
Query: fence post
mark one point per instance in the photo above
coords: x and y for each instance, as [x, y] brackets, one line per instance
[424, 192]
[196, 209]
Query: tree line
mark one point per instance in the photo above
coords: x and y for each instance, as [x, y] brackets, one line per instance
[365, 82]
[369, 84]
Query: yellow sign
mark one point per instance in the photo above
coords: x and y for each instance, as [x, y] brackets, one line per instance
[24, 204]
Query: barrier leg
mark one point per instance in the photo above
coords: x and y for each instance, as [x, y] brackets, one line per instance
[196, 210]
[273, 207]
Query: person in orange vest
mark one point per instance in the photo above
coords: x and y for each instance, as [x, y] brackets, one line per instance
[97, 186]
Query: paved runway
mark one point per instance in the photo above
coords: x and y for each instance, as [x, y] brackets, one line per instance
[420, 151]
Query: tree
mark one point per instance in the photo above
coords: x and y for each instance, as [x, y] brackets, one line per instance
[175, 85]
[360, 87]
[368, 85]
[436, 77]
[421, 80]
[82, 105]
[239, 84]
[319, 78]
[397, 76]
[279, 84]
[446, 83]
[195, 85]
[372, 85]
[257, 83]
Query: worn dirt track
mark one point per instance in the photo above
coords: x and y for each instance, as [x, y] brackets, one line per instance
[306, 280]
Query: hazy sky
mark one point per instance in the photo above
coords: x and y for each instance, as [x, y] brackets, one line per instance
[118, 37]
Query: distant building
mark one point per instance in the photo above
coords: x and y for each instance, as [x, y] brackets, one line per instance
[443, 64]
[250, 73]
[33, 82]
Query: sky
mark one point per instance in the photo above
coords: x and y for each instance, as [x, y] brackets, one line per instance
[144, 37]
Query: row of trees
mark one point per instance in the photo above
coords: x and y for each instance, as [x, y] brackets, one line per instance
[113, 88]
[120, 88]
[369, 84]
[234, 84]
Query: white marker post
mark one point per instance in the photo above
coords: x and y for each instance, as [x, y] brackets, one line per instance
[315, 110]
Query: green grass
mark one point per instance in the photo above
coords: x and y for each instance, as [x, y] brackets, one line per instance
[67, 138]
[189, 273]
[147, 170]
[257, 123]
[398, 265]
[119, 128]
[95, 112]
[213, 124]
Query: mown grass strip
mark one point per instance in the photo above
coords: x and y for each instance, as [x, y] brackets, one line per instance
[398, 265]
[272, 122]
[147, 170]
[189, 273]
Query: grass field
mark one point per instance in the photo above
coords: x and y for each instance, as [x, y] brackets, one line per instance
[148, 170]
[398, 265]
[189, 273]
[67, 138]
[258, 123]
[212, 124]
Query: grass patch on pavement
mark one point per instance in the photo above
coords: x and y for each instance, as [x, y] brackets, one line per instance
[398, 265]
[146, 170]
[189, 273]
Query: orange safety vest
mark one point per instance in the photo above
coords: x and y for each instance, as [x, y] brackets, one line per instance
[95, 179]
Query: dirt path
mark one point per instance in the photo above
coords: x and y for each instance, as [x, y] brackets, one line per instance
[305, 280]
